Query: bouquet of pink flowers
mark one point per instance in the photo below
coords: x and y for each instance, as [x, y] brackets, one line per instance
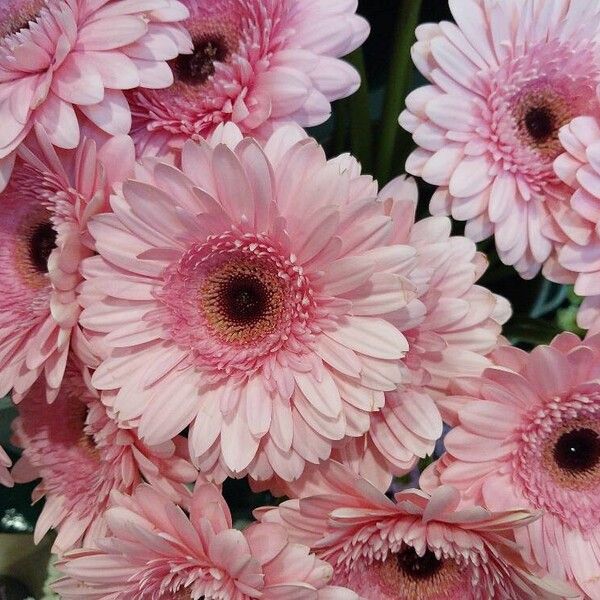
[243, 368]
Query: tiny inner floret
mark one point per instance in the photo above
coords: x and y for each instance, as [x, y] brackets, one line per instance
[414, 577]
[242, 300]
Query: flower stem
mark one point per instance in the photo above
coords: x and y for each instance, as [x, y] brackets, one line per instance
[398, 82]
[361, 135]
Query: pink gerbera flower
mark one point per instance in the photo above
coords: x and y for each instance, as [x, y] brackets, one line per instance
[414, 548]
[451, 325]
[248, 296]
[43, 222]
[156, 552]
[528, 435]
[81, 455]
[504, 79]
[5, 463]
[578, 258]
[64, 59]
[256, 63]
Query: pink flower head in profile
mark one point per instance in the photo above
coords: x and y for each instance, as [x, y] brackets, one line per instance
[504, 79]
[255, 63]
[43, 225]
[451, 325]
[5, 463]
[64, 60]
[528, 434]
[240, 296]
[578, 258]
[414, 547]
[154, 551]
[81, 455]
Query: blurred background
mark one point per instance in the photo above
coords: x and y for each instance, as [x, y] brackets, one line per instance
[365, 125]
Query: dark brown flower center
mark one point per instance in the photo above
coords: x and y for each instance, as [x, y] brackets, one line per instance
[41, 244]
[418, 567]
[242, 300]
[539, 114]
[578, 451]
[540, 123]
[197, 67]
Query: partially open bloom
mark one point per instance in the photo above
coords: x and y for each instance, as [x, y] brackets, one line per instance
[248, 295]
[5, 462]
[578, 257]
[43, 223]
[255, 63]
[451, 325]
[504, 80]
[61, 60]
[156, 552]
[415, 547]
[81, 455]
[528, 435]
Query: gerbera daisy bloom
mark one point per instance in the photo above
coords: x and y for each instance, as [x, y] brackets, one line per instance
[61, 60]
[5, 463]
[256, 63]
[577, 260]
[43, 222]
[528, 434]
[504, 80]
[240, 296]
[415, 547]
[81, 455]
[451, 325]
[156, 552]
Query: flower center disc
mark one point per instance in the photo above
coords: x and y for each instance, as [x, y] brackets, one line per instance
[41, 244]
[578, 451]
[408, 576]
[418, 567]
[196, 68]
[539, 115]
[242, 301]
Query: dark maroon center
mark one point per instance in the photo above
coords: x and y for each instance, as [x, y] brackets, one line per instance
[197, 67]
[41, 244]
[578, 450]
[415, 566]
[244, 299]
[540, 123]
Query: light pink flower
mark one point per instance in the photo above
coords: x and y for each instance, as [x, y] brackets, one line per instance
[62, 60]
[451, 325]
[247, 296]
[43, 224]
[504, 79]
[81, 455]
[578, 258]
[256, 63]
[156, 552]
[5, 463]
[414, 547]
[528, 434]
